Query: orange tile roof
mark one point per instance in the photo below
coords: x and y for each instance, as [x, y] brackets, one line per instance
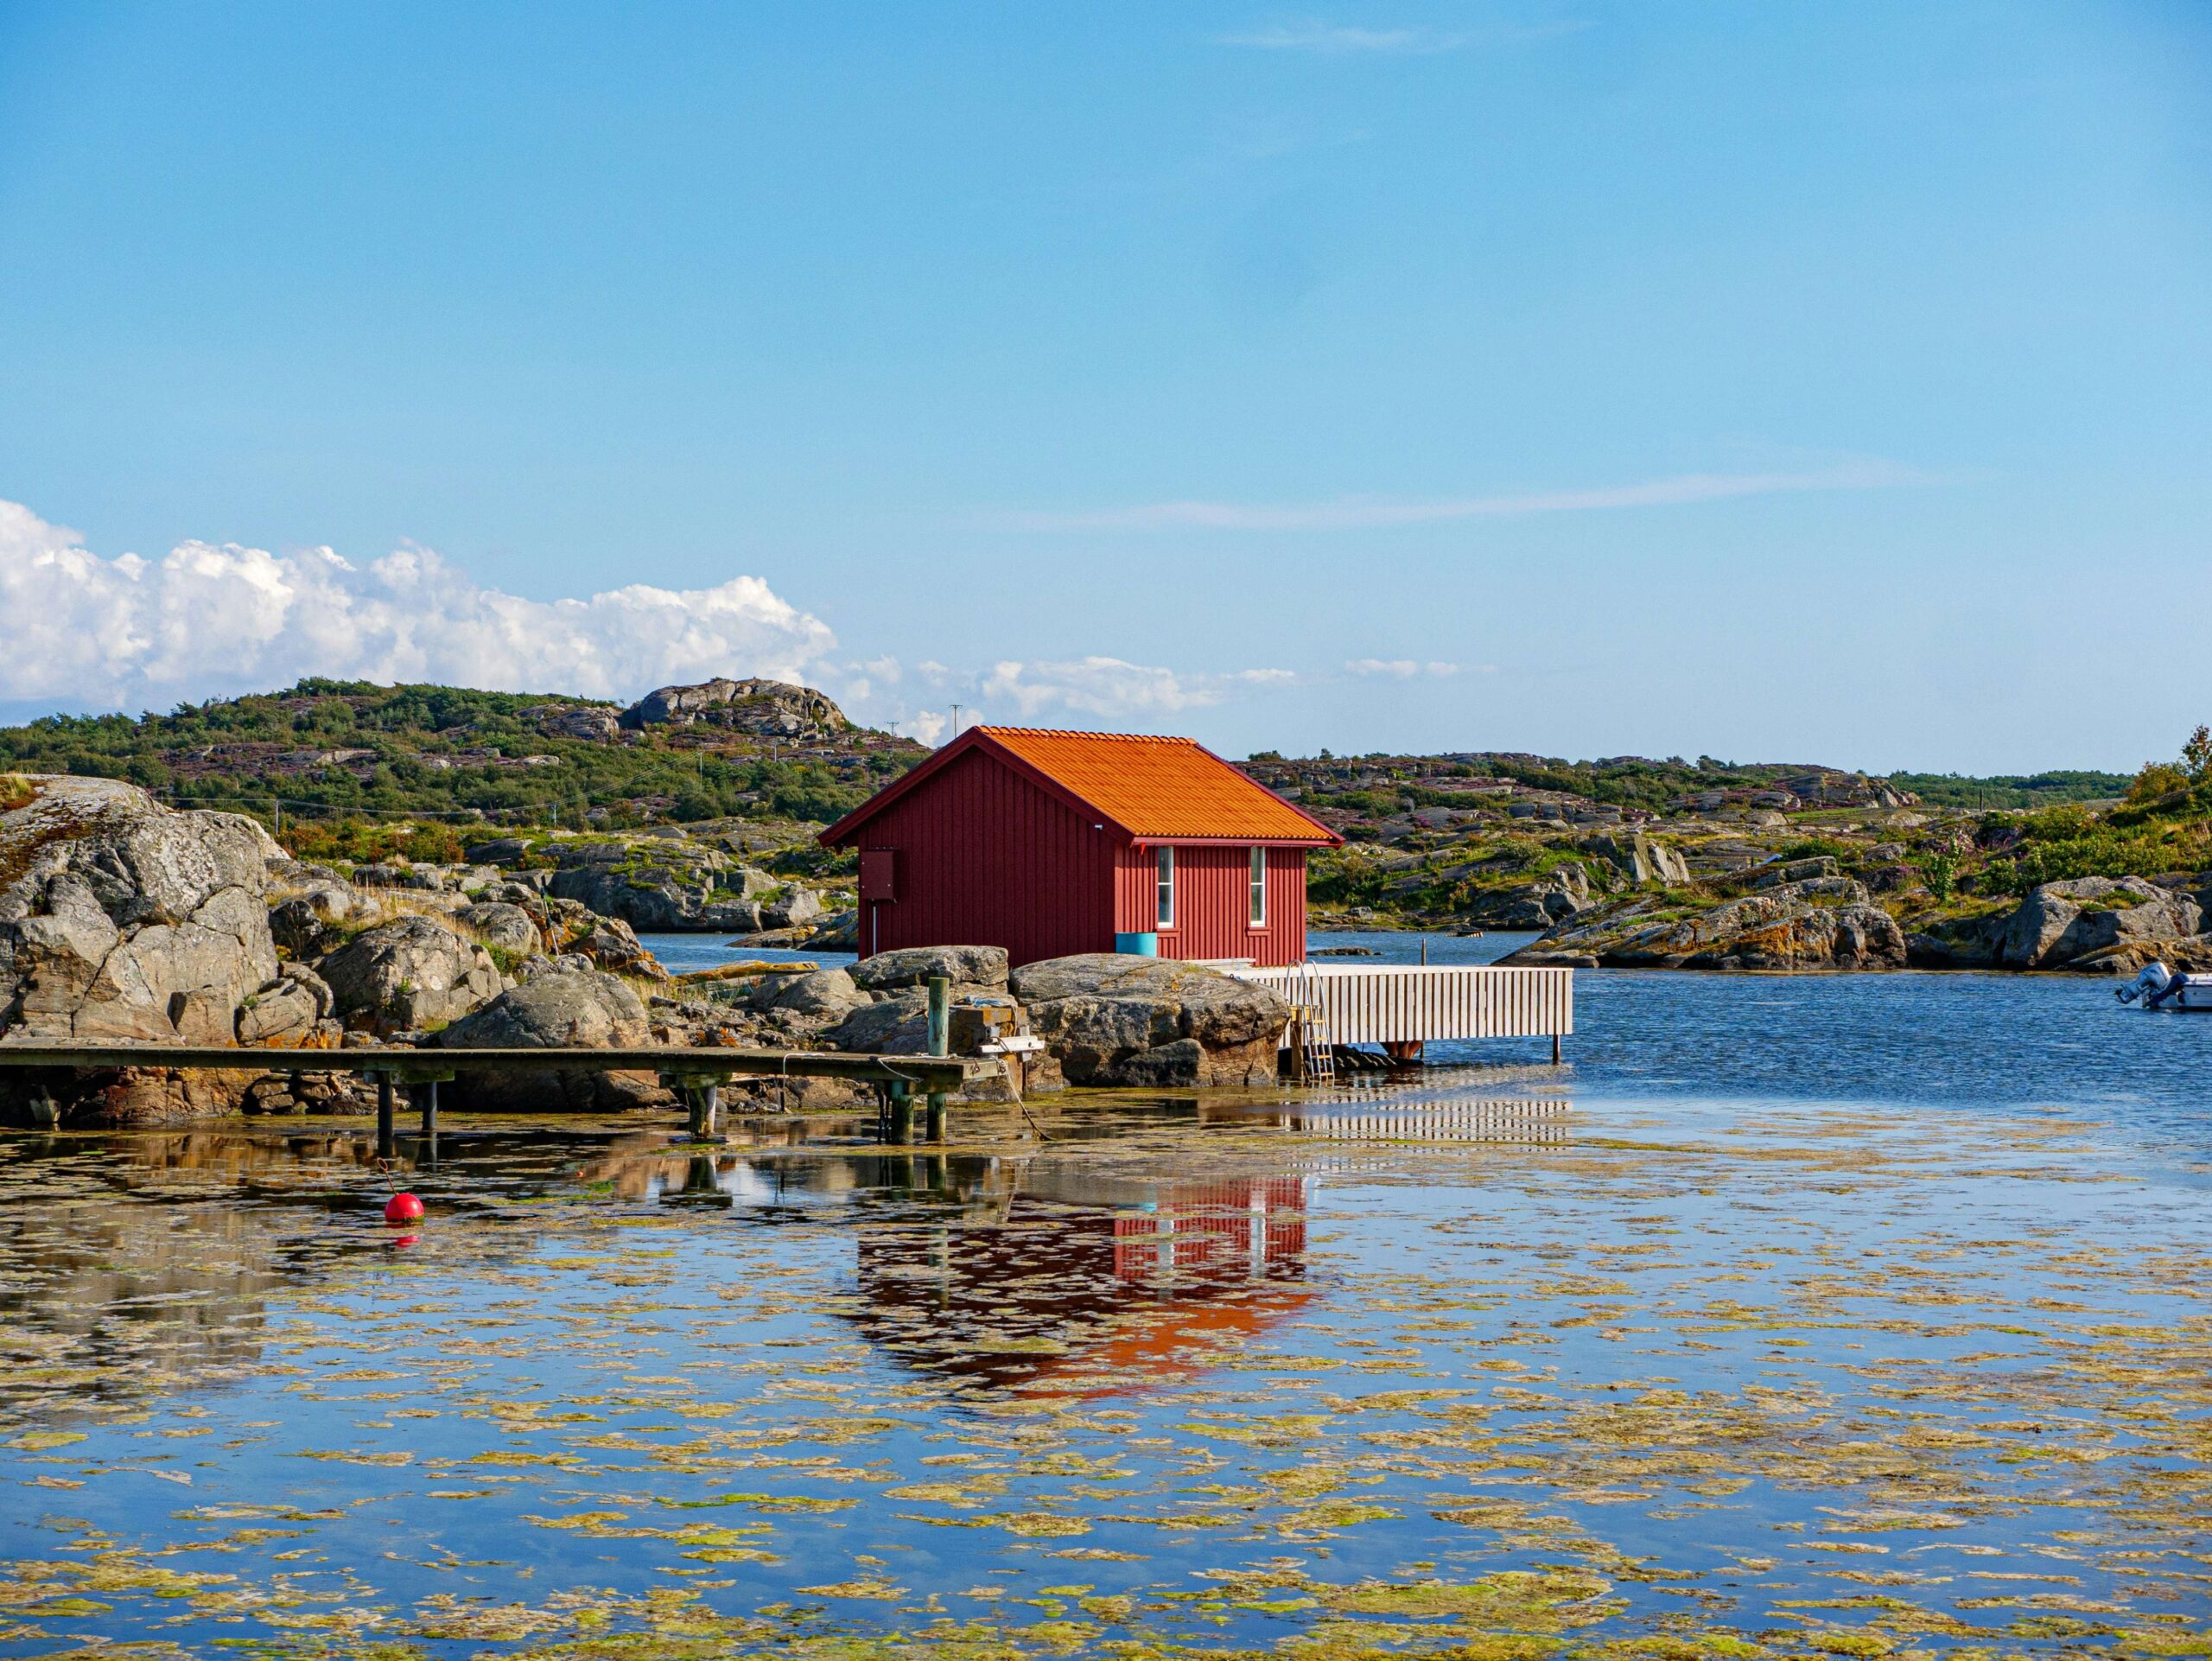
[1159, 787]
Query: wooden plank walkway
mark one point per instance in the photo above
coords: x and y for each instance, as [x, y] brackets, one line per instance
[924, 1072]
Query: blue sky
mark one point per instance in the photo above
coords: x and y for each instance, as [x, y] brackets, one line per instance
[1805, 382]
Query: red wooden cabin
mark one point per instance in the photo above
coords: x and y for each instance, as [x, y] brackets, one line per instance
[1049, 844]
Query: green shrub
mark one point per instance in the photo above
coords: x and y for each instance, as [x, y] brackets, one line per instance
[1818, 848]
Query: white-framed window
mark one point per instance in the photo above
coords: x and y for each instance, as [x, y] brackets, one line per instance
[1258, 903]
[1166, 857]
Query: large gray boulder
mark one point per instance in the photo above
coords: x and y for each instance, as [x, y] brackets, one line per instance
[307, 922]
[895, 1024]
[560, 1008]
[613, 945]
[407, 975]
[767, 708]
[296, 1007]
[823, 992]
[1110, 1019]
[122, 920]
[567, 1007]
[1638, 858]
[963, 966]
[794, 908]
[2060, 921]
[508, 927]
[1536, 904]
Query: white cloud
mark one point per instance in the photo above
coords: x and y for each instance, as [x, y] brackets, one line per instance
[1372, 512]
[126, 632]
[1079, 690]
[926, 726]
[1406, 668]
[1099, 686]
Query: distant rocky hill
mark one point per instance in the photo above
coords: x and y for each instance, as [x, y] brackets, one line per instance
[326, 749]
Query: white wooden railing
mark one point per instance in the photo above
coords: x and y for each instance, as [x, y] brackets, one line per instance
[1400, 1004]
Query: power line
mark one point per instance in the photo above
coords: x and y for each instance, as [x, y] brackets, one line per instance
[189, 799]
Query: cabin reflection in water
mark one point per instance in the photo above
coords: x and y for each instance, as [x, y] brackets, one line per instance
[1089, 1285]
[1026, 1270]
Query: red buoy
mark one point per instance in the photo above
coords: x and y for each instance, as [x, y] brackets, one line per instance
[403, 1208]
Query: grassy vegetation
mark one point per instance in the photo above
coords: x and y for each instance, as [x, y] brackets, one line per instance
[2172, 832]
[2010, 790]
[439, 753]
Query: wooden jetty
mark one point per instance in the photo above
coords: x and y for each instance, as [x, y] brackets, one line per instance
[1401, 1007]
[698, 1074]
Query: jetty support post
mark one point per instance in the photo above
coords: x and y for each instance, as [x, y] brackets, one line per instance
[703, 1101]
[940, 1044]
[423, 1083]
[1558, 1050]
[901, 1127]
[385, 1149]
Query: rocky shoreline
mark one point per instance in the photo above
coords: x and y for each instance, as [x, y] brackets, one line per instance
[1824, 921]
[122, 921]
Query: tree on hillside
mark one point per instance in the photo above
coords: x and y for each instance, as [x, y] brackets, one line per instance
[2197, 754]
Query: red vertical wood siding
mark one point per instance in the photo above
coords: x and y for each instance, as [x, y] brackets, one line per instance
[1212, 902]
[987, 859]
[1136, 889]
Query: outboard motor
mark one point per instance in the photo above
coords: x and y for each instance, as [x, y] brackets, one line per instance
[2151, 985]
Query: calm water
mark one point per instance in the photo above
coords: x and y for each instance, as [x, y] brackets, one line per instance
[1820, 1314]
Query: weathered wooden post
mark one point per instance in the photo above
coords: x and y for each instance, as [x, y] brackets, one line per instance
[426, 1102]
[902, 1112]
[704, 1101]
[1557, 1053]
[940, 1044]
[385, 1149]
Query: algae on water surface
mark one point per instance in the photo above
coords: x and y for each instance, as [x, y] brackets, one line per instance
[1808, 1381]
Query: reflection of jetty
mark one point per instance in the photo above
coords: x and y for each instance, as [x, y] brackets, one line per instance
[1365, 1120]
[1401, 1007]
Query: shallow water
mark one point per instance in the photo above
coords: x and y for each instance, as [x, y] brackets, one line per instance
[1883, 1326]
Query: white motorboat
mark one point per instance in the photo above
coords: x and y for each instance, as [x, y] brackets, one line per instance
[2159, 987]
